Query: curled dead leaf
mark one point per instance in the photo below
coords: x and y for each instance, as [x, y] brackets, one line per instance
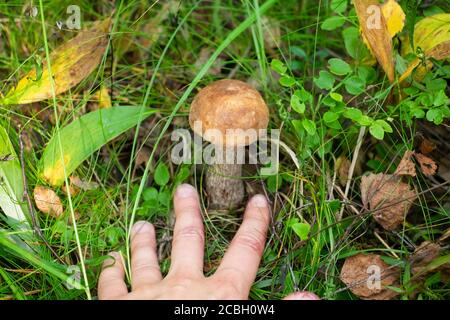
[406, 167]
[47, 201]
[360, 273]
[387, 197]
[71, 62]
[427, 165]
[375, 31]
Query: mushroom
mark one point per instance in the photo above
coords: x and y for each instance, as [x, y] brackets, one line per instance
[230, 115]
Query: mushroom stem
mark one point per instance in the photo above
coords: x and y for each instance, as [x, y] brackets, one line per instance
[224, 186]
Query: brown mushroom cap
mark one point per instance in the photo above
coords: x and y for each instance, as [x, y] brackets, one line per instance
[229, 104]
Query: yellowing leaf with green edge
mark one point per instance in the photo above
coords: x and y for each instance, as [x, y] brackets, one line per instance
[83, 136]
[432, 36]
[374, 30]
[70, 63]
[394, 15]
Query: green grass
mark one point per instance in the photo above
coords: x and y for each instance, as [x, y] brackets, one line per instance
[151, 62]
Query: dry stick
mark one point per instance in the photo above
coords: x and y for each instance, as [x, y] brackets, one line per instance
[26, 196]
[362, 131]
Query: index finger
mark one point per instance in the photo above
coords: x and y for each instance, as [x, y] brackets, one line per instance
[241, 261]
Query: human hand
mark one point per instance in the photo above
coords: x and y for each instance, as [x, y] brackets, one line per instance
[185, 280]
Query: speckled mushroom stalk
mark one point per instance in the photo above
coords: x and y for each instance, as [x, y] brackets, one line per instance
[227, 105]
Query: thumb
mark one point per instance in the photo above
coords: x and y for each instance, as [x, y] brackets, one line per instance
[302, 295]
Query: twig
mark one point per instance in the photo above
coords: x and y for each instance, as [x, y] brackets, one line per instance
[26, 196]
[362, 131]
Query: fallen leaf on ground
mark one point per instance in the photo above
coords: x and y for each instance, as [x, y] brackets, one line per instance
[47, 201]
[427, 259]
[70, 63]
[375, 31]
[394, 15]
[367, 276]
[432, 36]
[406, 167]
[142, 156]
[387, 197]
[427, 146]
[427, 165]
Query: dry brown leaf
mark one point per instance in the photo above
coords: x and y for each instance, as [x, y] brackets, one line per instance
[374, 29]
[422, 261]
[343, 166]
[47, 201]
[358, 274]
[71, 62]
[427, 146]
[406, 166]
[387, 197]
[142, 156]
[427, 165]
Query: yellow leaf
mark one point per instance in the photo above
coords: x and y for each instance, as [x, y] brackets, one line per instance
[432, 36]
[374, 29]
[70, 63]
[103, 98]
[394, 15]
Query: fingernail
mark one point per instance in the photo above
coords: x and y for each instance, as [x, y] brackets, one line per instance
[186, 191]
[141, 226]
[259, 201]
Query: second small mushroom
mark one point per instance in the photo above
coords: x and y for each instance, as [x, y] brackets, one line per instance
[223, 113]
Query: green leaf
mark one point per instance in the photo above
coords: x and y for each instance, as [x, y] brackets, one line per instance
[386, 126]
[83, 136]
[338, 6]
[325, 80]
[440, 98]
[301, 229]
[365, 120]
[336, 96]
[435, 115]
[332, 23]
[353, 114]
[354, 85]
[150, 194]
[297, 105]
[330, 116]
[278, 66]
[377, 131]
[162, 174]
[303, 95]
[339, 66]
[11, 183]
[309, 126]
[287, 81]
